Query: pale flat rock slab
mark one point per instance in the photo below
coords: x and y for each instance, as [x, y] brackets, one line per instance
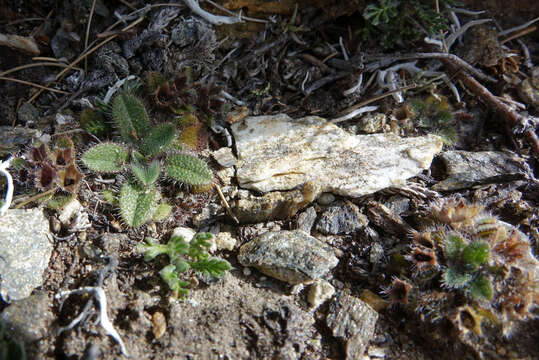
[25, 250]
[281, 153]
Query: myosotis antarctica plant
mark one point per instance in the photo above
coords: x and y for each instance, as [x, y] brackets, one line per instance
[471, 269]
[184, 256]
[144, 152]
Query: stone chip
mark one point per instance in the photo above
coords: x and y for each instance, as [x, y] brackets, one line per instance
[291, 256]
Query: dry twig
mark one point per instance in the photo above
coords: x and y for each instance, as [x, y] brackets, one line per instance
[518, 122]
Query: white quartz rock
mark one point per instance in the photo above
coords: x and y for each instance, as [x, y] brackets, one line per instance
[281, 153]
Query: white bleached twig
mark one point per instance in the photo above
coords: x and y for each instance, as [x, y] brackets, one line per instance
[213, 19]
[9, 192]
[114, 88]
[355, 113]
[450, 40]
[518, 28]
[355, 88]
[104, 320]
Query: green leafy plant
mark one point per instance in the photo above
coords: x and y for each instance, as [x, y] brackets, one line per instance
[393, 23]
[144, 151]
[471, 269]
[184, 256]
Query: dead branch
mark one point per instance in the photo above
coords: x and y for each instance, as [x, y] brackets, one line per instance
[519, 123]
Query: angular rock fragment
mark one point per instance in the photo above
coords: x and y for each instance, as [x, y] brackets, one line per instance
[278, 205]
[465, 169]
[291, 256]
[25, 250]
[280, 153]
[343, 218]
[352, 320]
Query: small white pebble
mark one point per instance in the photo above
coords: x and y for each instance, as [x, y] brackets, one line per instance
[247, 271]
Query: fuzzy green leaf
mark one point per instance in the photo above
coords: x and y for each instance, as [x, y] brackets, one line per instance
[146, 174]
[452, 278]
[475, 254]
[110, 197]
[130, 117]
[169, 275]
[105, 157]
[199, 245]
[181, 265]
[137, 204]
[213, 267]
[152, 249]
[188, 169]
[162, 211]
[480, 288]
[177, 246]
[158, 140]
[453, 245]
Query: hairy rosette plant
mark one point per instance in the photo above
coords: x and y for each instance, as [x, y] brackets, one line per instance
[145, 151]
[184, 256]
[471, 269]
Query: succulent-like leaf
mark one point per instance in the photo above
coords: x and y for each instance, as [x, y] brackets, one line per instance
[110, 197]
[146, 174]
[158, 139]
[188, 169]
[130, 117]
[162, 211]
[453, 278]
[105, 157]
[137, 204]
[480, 288]
[475, 254]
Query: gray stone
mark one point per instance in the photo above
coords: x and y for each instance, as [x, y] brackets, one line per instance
[343, 218]
[371, 123]
[278, 205]
[29, 319]
[280, 153]
[27, 114]
[291, 256]
[466, 169]
[319, 292]
[306, 220]
[398, 204]
[352, 320]
[325, 199]
[111, 242]
[12, 139]
[25, 250]
[225, 157]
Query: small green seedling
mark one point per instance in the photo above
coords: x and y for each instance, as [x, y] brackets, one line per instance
[145, 149]
[184, 256]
